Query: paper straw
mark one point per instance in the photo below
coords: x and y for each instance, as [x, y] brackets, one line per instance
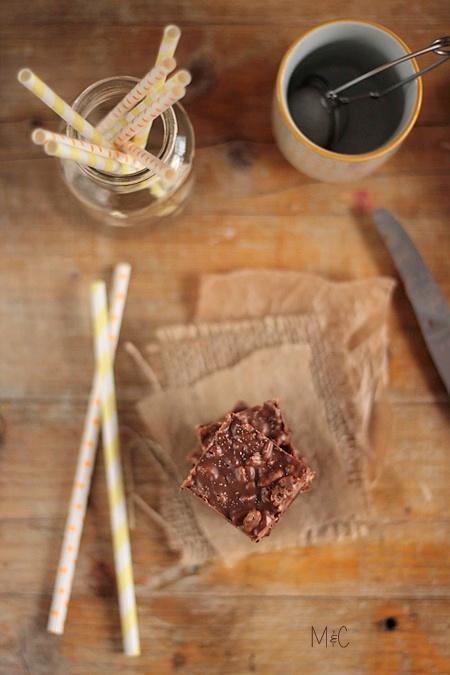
[164, 101]
[169, 42]
[149, 161]
[84, 157]
[167, 49]
[83, 472]
[60, 107]
[182, 77]
[156, 75]
[43, 136]
[114, 480]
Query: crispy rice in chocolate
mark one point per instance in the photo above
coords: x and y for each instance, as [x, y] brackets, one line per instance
[266, 418]
[247, 478]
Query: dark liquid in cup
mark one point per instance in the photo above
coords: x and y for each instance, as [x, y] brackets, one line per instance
[367, 124]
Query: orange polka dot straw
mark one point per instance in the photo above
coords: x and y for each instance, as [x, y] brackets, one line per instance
[82, 480]
[166, 50]
[169, 95]
[157, 74]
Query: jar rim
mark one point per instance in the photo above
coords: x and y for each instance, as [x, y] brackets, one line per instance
[170, 128]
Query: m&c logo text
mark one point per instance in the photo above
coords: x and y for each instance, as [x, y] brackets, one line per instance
[330, 637]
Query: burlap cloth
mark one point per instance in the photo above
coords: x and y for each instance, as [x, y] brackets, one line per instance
[320, 347]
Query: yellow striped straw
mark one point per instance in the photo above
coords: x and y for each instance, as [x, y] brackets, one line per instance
[60, 107]
[84, 157]
[85, 464]
[167, 48]
[169, 42]
[43, 136]
[164, 101]
[156, 75]
[114, 480]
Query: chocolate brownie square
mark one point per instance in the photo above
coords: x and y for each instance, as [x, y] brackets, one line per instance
[267, 418]
[247, 478]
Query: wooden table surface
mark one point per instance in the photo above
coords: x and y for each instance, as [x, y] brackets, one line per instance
[249, 209]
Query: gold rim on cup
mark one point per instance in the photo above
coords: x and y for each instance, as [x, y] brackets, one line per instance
[393, 143]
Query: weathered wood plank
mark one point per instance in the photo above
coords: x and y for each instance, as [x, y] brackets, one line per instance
[390, 561]
[251, 165]
[233, 69]
[52, 253]
[277, 12]
[405, 548]
[60, 363]
[225, 635]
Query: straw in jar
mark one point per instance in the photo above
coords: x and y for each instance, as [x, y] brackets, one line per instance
[153, 78]
[182, 78]
[40, 89]
[63, 151]
[164, 101]
[43, 136]
[167, 49]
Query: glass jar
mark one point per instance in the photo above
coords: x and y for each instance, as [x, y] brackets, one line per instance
[141, 197]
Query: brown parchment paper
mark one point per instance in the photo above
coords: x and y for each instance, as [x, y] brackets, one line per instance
[353, 313]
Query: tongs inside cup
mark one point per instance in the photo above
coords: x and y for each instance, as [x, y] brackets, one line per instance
[441, 46]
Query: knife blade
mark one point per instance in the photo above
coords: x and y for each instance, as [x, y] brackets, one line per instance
[425, 296]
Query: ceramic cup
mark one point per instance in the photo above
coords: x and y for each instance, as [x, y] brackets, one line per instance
[337, 166]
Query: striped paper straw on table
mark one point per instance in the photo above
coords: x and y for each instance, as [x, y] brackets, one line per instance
[60, 107]
[55, 149]
[167, 48]
[114, 479]
[43, 136]
[156, 75]
[164, 101]
[85, 463]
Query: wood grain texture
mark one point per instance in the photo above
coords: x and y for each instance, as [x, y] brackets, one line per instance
[275, 12]
[249, 209]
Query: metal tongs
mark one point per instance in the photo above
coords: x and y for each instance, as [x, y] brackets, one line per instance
[441, 46]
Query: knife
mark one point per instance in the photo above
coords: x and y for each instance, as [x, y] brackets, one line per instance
[428, 301]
